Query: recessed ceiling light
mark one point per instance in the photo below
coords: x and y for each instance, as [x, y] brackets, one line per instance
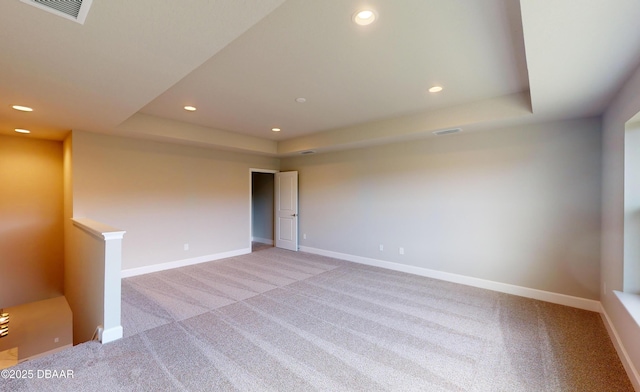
[276, 129]
[23, 130]
[435, 89]
[190, 108]
[364, 17]
[301, 100]
[22, 108]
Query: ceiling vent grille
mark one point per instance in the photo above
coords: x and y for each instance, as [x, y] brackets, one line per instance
[75, 10]
[447, 131]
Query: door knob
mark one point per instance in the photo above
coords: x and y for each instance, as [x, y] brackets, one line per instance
[294, 214]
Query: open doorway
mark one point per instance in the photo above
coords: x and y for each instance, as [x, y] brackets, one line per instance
[262, 209]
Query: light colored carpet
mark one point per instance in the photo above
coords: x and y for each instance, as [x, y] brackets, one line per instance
[276, 320]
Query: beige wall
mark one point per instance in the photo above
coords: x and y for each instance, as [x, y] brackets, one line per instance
[31, 228]
[70, 263]
[164, 196]
[38, 328]
[518, 206]
[85, 282]
[624, 106]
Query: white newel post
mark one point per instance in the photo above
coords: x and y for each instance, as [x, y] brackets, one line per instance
[110, 266]
[112, 286]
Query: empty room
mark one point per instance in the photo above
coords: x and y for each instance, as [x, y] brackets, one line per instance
[341, 195]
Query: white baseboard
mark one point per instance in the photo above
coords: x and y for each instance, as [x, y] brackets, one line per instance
[262, 240]
[111, 334]
[547, 296]
[632, 372]
[182, 263]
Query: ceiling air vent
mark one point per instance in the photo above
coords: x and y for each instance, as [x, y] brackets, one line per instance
[447, 131]
[75, 10]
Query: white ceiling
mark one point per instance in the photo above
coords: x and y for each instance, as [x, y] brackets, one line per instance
[132, 66]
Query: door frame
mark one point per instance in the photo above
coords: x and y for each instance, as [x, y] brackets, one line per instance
[251, 171]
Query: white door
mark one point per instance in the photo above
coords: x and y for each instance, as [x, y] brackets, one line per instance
[286, 201]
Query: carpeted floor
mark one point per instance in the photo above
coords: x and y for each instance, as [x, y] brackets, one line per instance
[276, 320]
